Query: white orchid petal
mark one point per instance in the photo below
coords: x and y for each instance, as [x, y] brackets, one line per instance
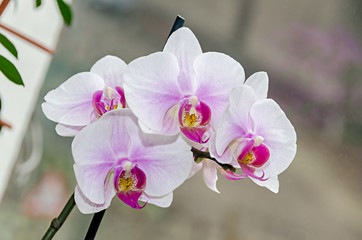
[185, 47]
[259, 81]
[111, 70]
[95, 150]
[217, 75]
[91, 180]
[279, 135]
[235, 121]
[166, 161]
[209, 171]
[71, 103]
[67, 131]
[195, 168]
[86, 206]
[151, 88]
[162, 201]
[272, 183]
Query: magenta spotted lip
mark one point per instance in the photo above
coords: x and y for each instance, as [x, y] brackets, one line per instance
[253, 156]
[129, 182]
[108, 100]
[194, 118]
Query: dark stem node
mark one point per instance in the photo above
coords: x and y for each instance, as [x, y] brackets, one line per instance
[57, 223]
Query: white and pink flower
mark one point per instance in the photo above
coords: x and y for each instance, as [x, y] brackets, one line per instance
[259, 82]
[255, 134]
[181, 88]
[86, 96]
[114, 157]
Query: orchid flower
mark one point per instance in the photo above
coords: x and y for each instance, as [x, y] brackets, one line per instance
[86, 96]
[255, 134]
[259, 82]
[114, 157]
[181, 88]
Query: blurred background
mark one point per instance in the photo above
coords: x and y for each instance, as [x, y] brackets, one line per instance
[312, 51]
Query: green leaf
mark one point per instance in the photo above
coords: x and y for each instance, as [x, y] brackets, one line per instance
[8, 45]
[66, 11]
[10, 71]
[37, 3]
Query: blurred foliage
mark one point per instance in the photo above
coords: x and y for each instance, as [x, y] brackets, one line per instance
[37, 3]
[66, 12]
[64, 9]
[10, 71]
[8, 45]
[6, 67]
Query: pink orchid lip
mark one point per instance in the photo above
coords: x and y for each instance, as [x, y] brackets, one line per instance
[262, 155]
[198, 134]
[253, 155]
[232, 176]
[194, 117]
[249, 143]
[103, 101]
[120, 91]
[129, 184]
[249, 171]
[97, 104]
[205, 112]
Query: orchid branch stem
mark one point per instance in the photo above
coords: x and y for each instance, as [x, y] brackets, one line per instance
[93, 227]
[57, 223]
[179, 22]
[198, 154]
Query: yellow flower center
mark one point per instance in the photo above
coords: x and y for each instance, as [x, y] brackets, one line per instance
[114, 107]
[249, 158]
[125, 184]
[190, 119]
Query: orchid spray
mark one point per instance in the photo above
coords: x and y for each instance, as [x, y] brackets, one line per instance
[140, 130]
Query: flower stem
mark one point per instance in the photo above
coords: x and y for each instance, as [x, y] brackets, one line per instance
[179, 22]
[57, 223]
[93, 227]
[199, 155]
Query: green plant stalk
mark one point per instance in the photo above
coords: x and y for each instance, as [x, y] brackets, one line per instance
[57, 223]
